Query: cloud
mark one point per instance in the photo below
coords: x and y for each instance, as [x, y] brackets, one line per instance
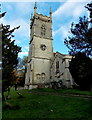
[21, 54]
[24, 52]
[26, 47]
[57, 31]
[67, 13]
[70, 9]
[24, 26]
[17, 41]
[24, 29]
[61, 19]
[22, 18]
[7, 6]
[24, 8]
[63, 31]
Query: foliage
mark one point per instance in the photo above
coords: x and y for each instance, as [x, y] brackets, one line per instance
[57, 84]
[21, 70]
[89, 7]
[2, 14]
[81, 70]
[80, 39]
[22, 62]
[9, 55]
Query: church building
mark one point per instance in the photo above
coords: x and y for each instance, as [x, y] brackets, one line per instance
[45, 66]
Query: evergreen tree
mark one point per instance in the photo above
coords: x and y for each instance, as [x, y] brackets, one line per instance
[81, 70]
[2, 14]
[89, 7]
[9, 55]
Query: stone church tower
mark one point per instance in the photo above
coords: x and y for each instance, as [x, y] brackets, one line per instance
[40, 49]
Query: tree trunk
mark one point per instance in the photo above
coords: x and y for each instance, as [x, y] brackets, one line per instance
[8, 96]
[91, 87]
[3, 97]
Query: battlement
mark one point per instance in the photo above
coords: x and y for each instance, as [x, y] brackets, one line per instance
[43, 17]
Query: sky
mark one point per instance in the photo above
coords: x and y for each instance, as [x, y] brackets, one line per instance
[64, 13]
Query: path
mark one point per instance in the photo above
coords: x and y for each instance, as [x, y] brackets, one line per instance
[61, 94]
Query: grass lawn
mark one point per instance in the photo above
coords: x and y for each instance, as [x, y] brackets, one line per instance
[48, 106]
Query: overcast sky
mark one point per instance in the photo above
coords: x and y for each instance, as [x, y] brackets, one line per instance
[64, 13]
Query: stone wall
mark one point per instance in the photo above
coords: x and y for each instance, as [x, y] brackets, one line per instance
[62, 72]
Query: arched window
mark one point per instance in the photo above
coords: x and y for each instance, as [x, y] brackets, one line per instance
[57, 64]
[43, 76]
[43, 29]
[38, 76]
[57, 67]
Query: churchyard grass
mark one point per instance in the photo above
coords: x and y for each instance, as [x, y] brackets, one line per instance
[35, 105]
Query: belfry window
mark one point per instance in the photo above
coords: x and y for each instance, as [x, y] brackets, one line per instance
[43, 30]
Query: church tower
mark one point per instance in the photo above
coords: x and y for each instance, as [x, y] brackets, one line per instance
[40, 49]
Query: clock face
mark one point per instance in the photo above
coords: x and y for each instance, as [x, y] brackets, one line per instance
[43, 47]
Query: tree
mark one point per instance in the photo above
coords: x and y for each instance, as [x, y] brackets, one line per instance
[21, 70]
[89, 7]
[2, 14]
[25, 60]
[81, 35]
[81, 70]
[9, 55]
[22, 62]
[80, 46]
